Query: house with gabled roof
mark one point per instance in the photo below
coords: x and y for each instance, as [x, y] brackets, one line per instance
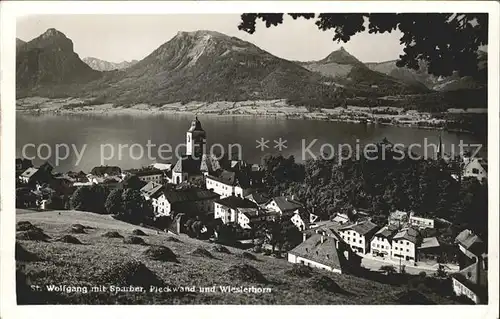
[470, 244]
[358, 235]
[405, 244]
[150, 189]
[285, 205]
[192, 201]
[381, 243]
[234, 209]
[257, 198]
[324, 252]
[475, 167]
[227, 183]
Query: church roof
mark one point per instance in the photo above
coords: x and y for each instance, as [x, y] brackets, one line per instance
[195, 125]
[209, 163]
[187, 164]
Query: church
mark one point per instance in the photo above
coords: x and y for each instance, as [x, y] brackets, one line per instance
[195, 163]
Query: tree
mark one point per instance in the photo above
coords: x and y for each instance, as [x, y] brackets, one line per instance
[133, 204]
[447, 42]
[79, 198]
[113, 203]
[388, 269]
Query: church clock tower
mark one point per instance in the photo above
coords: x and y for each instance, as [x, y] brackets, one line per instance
[196, 139]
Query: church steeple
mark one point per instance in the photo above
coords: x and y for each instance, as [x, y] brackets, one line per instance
[195, 139]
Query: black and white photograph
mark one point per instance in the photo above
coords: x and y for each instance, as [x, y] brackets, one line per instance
[335, 158]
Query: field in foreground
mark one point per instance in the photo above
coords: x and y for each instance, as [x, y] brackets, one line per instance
[102, 261]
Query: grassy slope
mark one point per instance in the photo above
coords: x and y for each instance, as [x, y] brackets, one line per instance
[70, 264]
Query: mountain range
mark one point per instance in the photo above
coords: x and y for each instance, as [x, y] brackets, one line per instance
[102, 65]
[207, 66]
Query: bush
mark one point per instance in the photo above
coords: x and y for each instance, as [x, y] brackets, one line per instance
[246, 273]
[201, 252]
[325, 283]
[25, 225]
[160, 253]
[248, 255]
[33, 234]
[127, 273]
[112, 234]
[138, 232]
[299, 270]
[77, 229]
[134, 240]
[221, 249]
[69, 239]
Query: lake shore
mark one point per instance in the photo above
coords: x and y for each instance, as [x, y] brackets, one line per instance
[269, 108]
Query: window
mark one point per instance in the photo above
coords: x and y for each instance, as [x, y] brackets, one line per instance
[360, 241]
[407, 250]
[475, 171]
[407, 243]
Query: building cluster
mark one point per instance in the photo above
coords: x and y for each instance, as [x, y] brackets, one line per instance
[203, 185]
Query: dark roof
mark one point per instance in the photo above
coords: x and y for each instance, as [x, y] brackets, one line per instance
[324, 253]
[236, 202]
[110, 170]
[28, 173]
[224, 176]
[470, 241]
[151, 188]
[209, 163]
[189, 195]
[257, 198]
[408, 234]
[195, 125]
[387, 232]
[362, 228]
[187, 164]
[146, 172]
[286, 203]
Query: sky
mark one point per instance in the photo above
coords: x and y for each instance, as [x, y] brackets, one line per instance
[117, 38]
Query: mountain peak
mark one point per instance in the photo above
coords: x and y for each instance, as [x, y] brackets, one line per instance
[341, 56]
[52, 32]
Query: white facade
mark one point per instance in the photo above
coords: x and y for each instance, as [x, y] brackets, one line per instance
[354, 239]
[382, 245]
[161, 206]
[224, 190]
[404, 249]
[300, 260]
[158, 178]
[298, 221]
[421, 222]
[473, 168]
[460, 289]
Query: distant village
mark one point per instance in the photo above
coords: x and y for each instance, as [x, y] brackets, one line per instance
[226, 192]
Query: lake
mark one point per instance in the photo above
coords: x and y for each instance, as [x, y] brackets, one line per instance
[103, 135]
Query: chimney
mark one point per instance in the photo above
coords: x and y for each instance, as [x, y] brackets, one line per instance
[304, 237]
[322, 238]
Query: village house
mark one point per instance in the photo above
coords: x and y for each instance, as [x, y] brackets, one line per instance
[472, 279]
[475, 167]
[150, 189]
[164, 167]
[420, 222]
[234, 209]
[257, 198]
[470, 244]
[105, 171]
[382, 241]
[398, 219]
[429, 250]
[192, 202]
[300, 219]
[149, 175]
[359, 235]
[341, 218]
[330, 253]
[405, 243]
[284, 205]
[32, 175]
[228, 183]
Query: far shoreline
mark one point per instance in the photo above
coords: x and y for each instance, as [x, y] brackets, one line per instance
[279, 109]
